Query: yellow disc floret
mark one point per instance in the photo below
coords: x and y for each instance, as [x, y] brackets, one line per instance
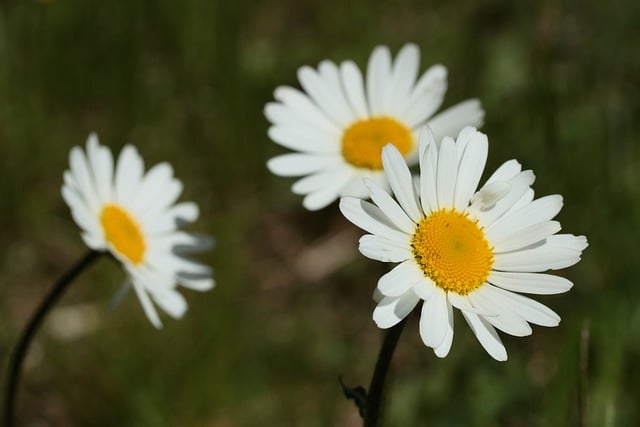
[452, 250]
[123, 233]
[362, 142]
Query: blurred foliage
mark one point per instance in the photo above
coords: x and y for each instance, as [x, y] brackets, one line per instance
[187, 82]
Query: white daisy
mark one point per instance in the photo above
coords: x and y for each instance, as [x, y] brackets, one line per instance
[133, 216]
[339, 126]
[475, 251]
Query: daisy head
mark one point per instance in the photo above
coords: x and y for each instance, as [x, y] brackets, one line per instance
[457, 247]
[133, 215]
[339, 124]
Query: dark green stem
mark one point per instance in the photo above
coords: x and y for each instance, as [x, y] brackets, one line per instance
[376, 388]
[20, 351]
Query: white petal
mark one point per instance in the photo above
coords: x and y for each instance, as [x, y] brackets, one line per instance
[378, 76]
[450, 121]
[403, 77]
[525, 307]
[519, 186]
[540, 210]
[129, 173]
[487, 336]
[399, 280]
[470, 170]
[525, 236]
[170, 300]
[353, 85]
[390, 311]
[425, 288]
[530, 283]
[323, 197]
[83, 177]
[153, 185]
[202, 283]
[101, 164]
[401, 182]
[428, 171]
[306, 141]
[499, 315]
[546, 256]
[146, 303]
[299, 104]
[382, 249]
[489, 195]
[370, 218]
[426, 97]
[568, 241]
[295, 164]
[323, 179]
[446, 173]
[325, 95]
[443, 349]
[390, 208]
[79, 210]
[434, 319]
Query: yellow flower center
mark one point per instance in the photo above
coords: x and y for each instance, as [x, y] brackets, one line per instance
[362, 142]
[453, 251]
[123, 233]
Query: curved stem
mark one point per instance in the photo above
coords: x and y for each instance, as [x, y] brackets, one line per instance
[20, 351]
[376, 388]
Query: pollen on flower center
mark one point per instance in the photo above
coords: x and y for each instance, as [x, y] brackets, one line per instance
[453, 251]
[123, 233]
[362, 142]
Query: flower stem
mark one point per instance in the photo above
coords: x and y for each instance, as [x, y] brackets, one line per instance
[20, 351]
[376, 388]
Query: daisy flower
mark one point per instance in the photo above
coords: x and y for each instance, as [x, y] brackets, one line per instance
[457, 247]
[133, 216]
[339, 126]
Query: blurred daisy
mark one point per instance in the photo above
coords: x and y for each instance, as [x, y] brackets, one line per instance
[475, 251]
[133, 216]
[339, 126]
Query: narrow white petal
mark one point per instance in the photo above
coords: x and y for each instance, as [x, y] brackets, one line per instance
[378, 75]
[146, 303]
[305, 141]
[428, 171]
[84, 178]
[546, 256]
[381, 249]
[353, 85]
[487, 336]
[530, 310]
[101, 165]
[325, 94]
[323, 197]
[487, 197]
[434, 319]
[170, 300]
[390, 311]
[443, 349]
[79, 210]
[370, 218]
[203, 283]
[425, 288]
[153, 185]
[446, 173]
[399, 280]
[530, 283]
[505, 172]
[300, 103]
[568, 241]
[129, 173]
[403, 77]
[426, 96]
[309, 121]
[390, 208]
[450, 121]
[540, 210]
[295, 164]
[470, 170]
[519, 186]
[401, 182]
[525, 236]
[499, 315]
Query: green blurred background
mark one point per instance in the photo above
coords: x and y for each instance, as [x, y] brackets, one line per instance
[187, 82]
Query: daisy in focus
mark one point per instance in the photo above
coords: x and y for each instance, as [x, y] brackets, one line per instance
[133, 215]
[341, 121]
[476, 251]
